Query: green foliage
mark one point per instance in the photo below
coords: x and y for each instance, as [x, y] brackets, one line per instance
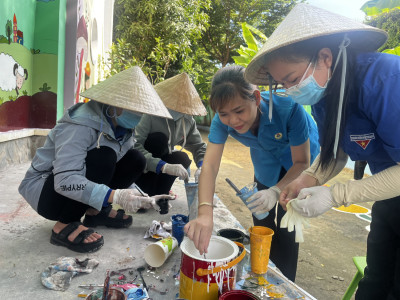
[156, 34]
[166, 38]
[9, 30]
[376, 7]
[120, 58]
[222, 39]
[45, 88]
[390, 22]
[253, 45]
[1, 100]
[12, 98]
[25, 92]
[394, 51]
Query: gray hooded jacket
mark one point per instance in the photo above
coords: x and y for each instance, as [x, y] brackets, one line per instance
[182, 132]
[82, 128]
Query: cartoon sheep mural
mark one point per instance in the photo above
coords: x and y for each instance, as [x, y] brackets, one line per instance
[12, 75]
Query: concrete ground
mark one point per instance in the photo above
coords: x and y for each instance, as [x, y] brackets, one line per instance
[325, 265]
[25, 250]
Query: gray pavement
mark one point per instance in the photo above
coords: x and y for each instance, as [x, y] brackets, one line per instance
[25, 250]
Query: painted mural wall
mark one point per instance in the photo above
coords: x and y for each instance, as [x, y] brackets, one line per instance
[29, 57]
[28, 63]
[93, 40]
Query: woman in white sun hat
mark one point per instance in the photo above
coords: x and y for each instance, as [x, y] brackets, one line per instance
[328, 61]
[157, 136]
[88, 162]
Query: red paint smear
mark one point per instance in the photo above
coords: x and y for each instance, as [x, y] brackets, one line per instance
[10, 216]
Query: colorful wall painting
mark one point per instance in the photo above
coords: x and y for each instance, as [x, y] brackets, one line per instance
[29, 57]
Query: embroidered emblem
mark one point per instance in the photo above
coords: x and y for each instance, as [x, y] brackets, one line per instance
[278, 136]
[362, 140]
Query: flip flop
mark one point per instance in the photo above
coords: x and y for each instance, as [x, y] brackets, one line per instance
[78, 244]
[103, 219]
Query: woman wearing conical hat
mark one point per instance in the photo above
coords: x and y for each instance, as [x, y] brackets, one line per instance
[157, 136]
[88, 162]
[329, 61]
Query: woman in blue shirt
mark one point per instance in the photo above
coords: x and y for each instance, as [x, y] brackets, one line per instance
[281, 148]
[329, 62]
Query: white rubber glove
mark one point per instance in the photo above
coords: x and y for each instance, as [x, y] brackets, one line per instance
[176, 170]
[264, 200]
[314, 201]
[294, 221]
[197, 175]
[131, 202]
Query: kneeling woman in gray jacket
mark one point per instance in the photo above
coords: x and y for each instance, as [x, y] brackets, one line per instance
[88, 162]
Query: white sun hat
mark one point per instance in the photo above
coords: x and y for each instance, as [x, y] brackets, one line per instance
[306, 22]
[131, 90]
[179, 94]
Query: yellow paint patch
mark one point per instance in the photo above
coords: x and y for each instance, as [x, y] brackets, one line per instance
[353, 209]
[274, 295]
[266, 286]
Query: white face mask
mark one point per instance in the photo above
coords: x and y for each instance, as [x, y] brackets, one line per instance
[307, 91]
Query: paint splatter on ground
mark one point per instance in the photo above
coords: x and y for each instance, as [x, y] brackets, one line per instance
[353, 209]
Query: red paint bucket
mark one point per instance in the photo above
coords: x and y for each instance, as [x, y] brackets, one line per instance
[238, 295]
[206, 278]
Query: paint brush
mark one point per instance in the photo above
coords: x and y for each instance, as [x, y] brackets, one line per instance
[106, 287]
[233, 186]
[140, 191]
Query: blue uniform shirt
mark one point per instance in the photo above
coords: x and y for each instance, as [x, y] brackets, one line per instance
[372, 128]
[270, 149]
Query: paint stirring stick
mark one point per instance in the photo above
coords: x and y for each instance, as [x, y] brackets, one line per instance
[233, 186]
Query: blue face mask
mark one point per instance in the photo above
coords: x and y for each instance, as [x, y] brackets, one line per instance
[307, 91]
[128, 119]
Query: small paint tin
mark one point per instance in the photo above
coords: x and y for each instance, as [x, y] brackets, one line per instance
[238, 295]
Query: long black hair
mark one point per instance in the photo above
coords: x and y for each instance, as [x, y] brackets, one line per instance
[308, 50]
[228, 83]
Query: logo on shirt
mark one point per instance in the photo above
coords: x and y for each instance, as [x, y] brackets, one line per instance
[278, 136]
[362, 140]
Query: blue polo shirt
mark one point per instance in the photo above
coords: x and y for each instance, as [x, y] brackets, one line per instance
[372, 124]
[270, 149]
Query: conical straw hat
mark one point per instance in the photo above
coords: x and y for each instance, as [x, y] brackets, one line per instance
[305, 22]
[131, 90]
[178, 93]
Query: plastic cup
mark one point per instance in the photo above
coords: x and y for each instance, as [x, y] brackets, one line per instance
[248, 191]
[260, 246]
[157, 253]
[178, 222]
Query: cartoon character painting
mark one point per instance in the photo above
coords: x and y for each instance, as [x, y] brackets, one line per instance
[13, 75]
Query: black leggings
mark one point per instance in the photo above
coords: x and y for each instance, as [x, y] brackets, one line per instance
[102, 168]
[382, 275]
[157, 184]
[284, 250]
